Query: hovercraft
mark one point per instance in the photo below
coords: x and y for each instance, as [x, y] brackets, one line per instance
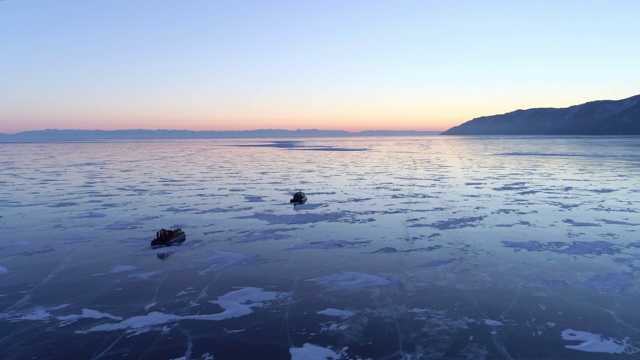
[298, 198]
[166, 237]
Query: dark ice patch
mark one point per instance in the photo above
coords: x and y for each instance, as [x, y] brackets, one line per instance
[590, 248]
[437, 263]
[577, 223]
[616, 222]
[524, 245]
[176, 210]
[386, 250]
[63, 204]
[91, 215]
[390, 249]
[33, 252]
[603, 191]
[551, 283]
[617, 284]
[330, 244]
[222, 210]
[299, 145]
[123, 225]
[564, 206]
[512, 186]
[147, 218]
[457, 223]
[298, 218]
[574, 248]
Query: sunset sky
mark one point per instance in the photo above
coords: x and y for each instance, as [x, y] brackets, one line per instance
[345, 64]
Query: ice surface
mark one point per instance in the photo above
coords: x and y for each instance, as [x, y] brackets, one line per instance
[408, 248]
[224, 259]
[352, 279]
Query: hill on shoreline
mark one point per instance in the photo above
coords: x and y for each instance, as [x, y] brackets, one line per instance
[603, 117]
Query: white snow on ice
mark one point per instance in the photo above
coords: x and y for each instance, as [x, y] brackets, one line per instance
[235, 304]
[86, 314]
[122, 268]
[314, 352]
[596, 343]
[35, 314]
[490, 322]
[336, 312]
[145, 275]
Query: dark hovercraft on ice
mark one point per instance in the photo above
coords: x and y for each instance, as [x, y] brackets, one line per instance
[166, 237]
[298, 198]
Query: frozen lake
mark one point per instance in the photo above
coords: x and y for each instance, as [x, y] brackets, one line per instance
[408, 248]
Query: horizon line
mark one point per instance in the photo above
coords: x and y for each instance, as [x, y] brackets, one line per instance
[226, 131]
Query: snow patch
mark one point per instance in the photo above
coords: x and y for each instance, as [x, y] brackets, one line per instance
[122, 268]
[490, 322]
[314, 352]
[330, 244]
[36, 314]
[86, 314]
[336, 312]
[145, 275]
[235, 304]
[596, 343]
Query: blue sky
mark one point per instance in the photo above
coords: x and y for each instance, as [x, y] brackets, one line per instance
[216, 65]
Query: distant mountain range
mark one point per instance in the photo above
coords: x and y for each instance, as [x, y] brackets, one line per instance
[79, 135]
[604, 117]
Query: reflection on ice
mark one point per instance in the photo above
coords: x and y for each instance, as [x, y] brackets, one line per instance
[330, 244]
[300, 145]
[351, 278]
[224, 259]
[122, 268]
